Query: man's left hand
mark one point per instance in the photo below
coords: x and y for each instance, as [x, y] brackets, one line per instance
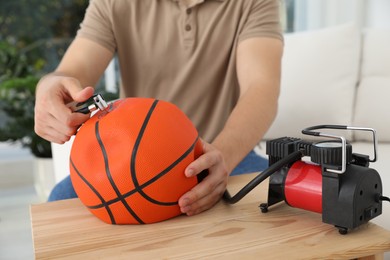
[210, 190]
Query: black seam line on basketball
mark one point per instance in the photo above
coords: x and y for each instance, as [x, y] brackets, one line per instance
[104, 203]
[135, 152]
[108, 173]
[165, 171]
[128, 194]
[134, 155]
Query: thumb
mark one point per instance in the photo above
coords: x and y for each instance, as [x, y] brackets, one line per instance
[84, 94]
[77, 93]
[79, 97]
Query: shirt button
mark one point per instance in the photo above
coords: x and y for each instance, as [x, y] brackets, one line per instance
[189, 11]
[188, 27]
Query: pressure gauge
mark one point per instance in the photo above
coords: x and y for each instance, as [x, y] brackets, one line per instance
[329, 153]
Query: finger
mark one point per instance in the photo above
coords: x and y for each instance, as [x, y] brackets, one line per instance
[52, 131]
[207, 160]
[202, 203]
[49, 127]
[200, 206]
[55, 137]
[69, 118]
[71, 91]
[203, 189]
[77, 119]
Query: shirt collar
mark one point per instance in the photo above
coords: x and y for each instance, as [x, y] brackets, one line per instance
[192, 3]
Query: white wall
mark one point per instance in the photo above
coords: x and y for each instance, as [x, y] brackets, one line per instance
[315, 14]
[378, 13]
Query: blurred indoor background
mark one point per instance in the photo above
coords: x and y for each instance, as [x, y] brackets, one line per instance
[34, 35]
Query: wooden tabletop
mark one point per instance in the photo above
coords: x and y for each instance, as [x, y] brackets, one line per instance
[66, 229]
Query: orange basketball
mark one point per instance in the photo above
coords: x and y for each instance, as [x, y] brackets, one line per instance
[127, 165]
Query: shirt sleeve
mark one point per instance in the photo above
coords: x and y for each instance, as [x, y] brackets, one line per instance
[97, 24]
[263, 20]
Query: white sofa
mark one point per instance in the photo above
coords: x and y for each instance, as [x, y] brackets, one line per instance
[339, 75]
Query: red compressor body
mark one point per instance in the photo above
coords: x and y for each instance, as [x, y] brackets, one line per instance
[303, 186]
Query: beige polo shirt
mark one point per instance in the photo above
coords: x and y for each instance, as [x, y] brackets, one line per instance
[181, 51]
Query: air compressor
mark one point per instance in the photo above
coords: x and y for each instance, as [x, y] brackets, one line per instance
[324, 177]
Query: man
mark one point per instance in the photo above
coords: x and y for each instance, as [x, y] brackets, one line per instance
[217, 60]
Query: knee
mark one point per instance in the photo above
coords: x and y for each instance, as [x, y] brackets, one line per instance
[63, 190]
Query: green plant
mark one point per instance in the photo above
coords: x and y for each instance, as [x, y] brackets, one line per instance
[34, 35]
[17, 100]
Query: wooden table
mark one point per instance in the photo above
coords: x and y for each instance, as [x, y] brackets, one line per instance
[66, 229]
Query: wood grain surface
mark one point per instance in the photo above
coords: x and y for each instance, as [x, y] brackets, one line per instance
[67, 230]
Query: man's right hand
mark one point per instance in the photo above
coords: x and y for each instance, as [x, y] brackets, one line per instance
[54, 121]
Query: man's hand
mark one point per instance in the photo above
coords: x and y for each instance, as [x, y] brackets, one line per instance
[54, 121]
[82, 65]
[209, 191]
